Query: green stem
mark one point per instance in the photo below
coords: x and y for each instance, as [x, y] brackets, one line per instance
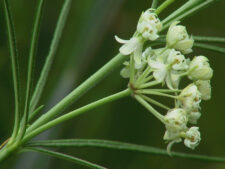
[150, 108]
[147, 79]
[132, 69]
[15, 67]
[150, 100]
[151, 92]
[147, 71]
[163, 6]
[166, 90]
[76, 112]
[79, 91]
[35, 112]
[149, 84]
[154, 4]
[7, 150]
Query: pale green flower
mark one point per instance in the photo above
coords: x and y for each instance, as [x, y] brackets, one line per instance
[200, 69]
[193, 116]
[149, 25]
[177, 60]
[133, 46]
[193, 138]
[178, 38]
[190, 98]
[176, 120]
[204, 88]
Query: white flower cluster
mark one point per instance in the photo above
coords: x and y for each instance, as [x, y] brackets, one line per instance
[168, 65]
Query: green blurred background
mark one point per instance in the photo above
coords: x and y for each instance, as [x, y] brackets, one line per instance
[87, 44]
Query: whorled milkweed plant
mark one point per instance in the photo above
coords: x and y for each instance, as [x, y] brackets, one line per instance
[155, 64]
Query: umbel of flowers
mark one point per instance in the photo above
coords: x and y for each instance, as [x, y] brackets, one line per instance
[149, 67]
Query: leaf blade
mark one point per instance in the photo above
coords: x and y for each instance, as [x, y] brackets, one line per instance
[34, 41]
[15, 66]
[121, 146]
[186, 10]
[210, 47]
[65, 157]
[53, 47]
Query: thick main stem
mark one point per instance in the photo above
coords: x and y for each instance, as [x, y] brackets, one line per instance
[79, 91]
[9, 149]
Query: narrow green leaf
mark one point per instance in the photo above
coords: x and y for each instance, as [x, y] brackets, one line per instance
[32, 53]
[53, 47]
[34, 42]
[209, 39]
[65, 157]
[185, 7]
[36, 111]
[121, 146]
[186, 10]
[209, 47]
[154, 4]
[15, 65]
[163, 6]
[72, 114]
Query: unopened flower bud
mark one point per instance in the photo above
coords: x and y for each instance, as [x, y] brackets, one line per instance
[204, 88]
[193, 116]
[178, 38]
[190, 98]
[176, 120]
[149, 25]
[200, 69]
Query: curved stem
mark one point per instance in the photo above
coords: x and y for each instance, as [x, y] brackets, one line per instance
[150, 108]
[152, 92]
[149, 84]
[150, 100]
[14, 66]
[76, 112]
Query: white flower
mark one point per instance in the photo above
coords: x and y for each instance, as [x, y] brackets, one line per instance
[176, 63]
[149, 25]
[178, 38]
[200, 69]
[193, 138]
[176, 120]
[193, 116]
[133, 46]
[147, 53]
[167, 67]
[177, 60]
[204, 88]
[160, 69]
[172, 80]
[190, 98]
